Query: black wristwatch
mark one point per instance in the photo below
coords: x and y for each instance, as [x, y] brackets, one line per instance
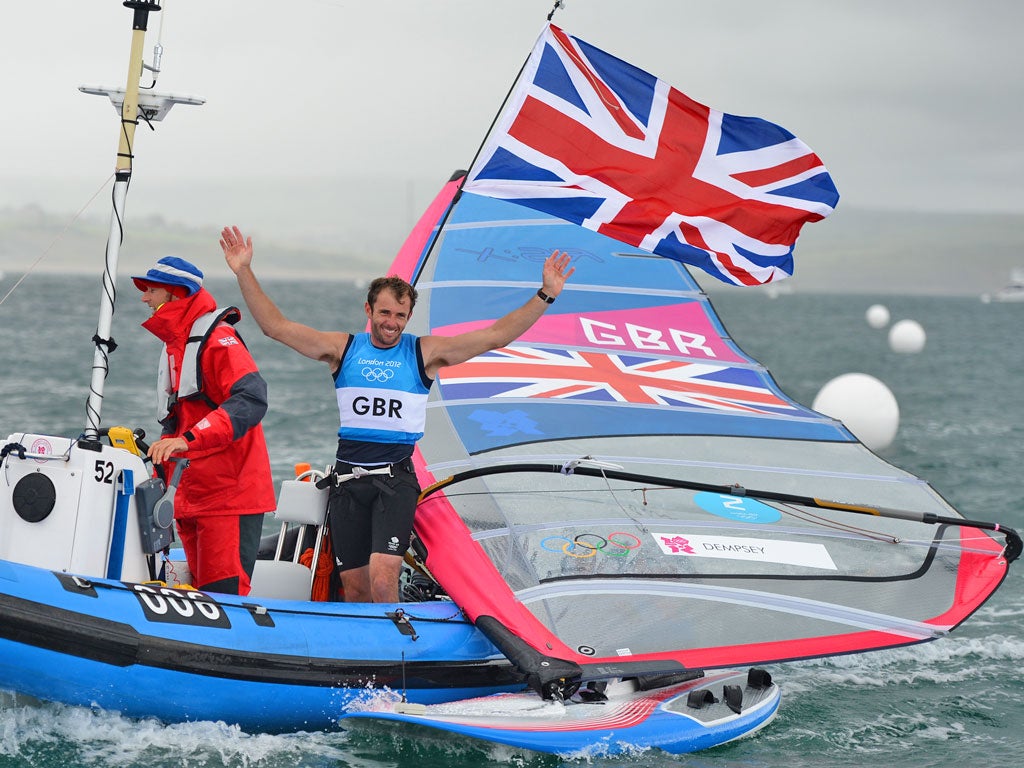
[544, 297]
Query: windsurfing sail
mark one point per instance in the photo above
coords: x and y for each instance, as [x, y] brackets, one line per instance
[623, 490]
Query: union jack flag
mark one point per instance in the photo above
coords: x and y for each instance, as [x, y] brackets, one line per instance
[593, 140]
[534, 372]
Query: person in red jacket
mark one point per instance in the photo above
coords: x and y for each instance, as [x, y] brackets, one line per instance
[211, 401]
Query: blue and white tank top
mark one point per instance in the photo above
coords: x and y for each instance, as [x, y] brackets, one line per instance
[382, 393]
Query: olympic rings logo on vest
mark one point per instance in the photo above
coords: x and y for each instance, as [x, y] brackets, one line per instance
[378, 374]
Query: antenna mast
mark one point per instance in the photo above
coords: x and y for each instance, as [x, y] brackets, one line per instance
[130, 105]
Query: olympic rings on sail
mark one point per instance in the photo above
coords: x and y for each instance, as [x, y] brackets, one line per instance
[585, 545]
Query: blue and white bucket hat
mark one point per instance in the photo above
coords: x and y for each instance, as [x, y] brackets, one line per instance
[171, 270]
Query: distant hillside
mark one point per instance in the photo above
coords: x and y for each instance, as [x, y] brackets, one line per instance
[862, 251]
[853, 251]
[28, 233]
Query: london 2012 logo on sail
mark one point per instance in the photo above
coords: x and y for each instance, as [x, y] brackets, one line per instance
[743, 548]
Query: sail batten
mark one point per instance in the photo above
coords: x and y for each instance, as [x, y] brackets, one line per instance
[567, 399]
[574, 290]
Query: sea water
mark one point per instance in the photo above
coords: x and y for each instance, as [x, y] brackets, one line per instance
[954, 702]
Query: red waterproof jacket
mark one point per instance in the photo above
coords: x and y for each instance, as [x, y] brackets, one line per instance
[229, 469]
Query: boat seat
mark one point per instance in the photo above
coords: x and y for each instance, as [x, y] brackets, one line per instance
[281, 579]
[300, 503]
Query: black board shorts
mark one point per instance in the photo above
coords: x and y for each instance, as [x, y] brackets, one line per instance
[372, 514]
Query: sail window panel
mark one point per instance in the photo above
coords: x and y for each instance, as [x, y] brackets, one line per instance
[510, 561]
[877, 586]
[591, 623]
[621, 531]
[479, 509]
[533, 500]
[831, 470]
[571, 545]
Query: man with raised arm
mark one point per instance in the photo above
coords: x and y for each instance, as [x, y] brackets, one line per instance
[381, 378]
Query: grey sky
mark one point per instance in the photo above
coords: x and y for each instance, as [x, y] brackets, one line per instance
[912, 104]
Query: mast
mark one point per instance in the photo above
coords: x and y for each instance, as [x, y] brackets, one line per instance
[122, 177]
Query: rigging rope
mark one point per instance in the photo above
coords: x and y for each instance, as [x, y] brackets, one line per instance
[60, 236]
